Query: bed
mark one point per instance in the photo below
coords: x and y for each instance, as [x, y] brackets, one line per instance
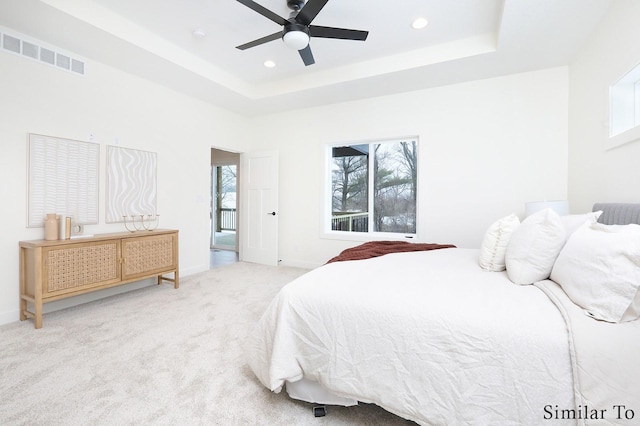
[538, 324]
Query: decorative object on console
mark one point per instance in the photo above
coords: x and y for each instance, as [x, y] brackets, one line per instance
[149, 224]
[561, 207]
[65, 228]
[77, 230]
[131, 183]
[51, 227]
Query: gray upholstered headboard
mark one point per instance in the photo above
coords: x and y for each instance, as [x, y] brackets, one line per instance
[618, 213]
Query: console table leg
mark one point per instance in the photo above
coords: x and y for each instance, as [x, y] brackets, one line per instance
[38, 291]
[37, 318]
[23, 285]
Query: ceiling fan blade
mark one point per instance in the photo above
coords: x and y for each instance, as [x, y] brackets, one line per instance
[307, 56]
[263, 11]
[309, 11]
[341, 33]
[265, 39]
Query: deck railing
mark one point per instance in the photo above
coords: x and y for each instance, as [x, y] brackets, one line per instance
[227, 219]
[351, 222]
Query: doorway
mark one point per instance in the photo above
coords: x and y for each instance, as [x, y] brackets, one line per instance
[224, 207]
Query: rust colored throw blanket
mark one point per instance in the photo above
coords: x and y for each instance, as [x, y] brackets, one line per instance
[380, 248]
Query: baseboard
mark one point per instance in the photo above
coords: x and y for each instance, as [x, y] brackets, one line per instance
[193, 270]
[9, 316]
[299, 264]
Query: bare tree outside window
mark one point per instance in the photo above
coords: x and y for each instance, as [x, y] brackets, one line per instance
[228, 186]
[224, 192]
[382, 172]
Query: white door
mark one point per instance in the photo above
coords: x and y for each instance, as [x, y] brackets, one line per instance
[259, 207]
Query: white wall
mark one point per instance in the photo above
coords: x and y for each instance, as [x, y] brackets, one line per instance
[486, 147]
[115, 107]
[595, 173]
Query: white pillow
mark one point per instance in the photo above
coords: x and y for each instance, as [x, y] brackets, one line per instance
[572, 222]
[495, 242]
[599, 269]
[534, 246]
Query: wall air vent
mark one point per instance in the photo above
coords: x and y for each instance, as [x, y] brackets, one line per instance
[63, 61]
[48, 56]
[13, 42]
[30, 50]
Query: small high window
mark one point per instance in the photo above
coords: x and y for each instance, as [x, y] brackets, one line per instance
[624, 108]
[373, 187]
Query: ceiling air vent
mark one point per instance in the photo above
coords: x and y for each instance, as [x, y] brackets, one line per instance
[14, 43]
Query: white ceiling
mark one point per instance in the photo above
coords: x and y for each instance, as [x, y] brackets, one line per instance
[465, 40]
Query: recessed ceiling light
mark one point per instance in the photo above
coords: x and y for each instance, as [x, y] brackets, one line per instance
[199, 33]
[419, 23]
[269, 64]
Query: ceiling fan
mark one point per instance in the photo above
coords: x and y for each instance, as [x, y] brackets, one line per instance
[297, 30]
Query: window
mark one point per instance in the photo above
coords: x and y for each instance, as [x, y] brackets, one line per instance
[373, 187]
[624, 108]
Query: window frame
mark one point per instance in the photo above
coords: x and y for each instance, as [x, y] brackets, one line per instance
[624, 109]
[326, 203]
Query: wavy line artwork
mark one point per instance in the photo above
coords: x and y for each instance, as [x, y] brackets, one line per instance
[63, 179]
[131, 183]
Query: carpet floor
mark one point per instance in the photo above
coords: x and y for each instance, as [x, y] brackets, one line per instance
[156, 356]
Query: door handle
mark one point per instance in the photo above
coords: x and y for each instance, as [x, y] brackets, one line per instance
[272, 213]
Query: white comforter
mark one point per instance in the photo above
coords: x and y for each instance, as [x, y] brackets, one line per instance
[425, 335]
[605, 361]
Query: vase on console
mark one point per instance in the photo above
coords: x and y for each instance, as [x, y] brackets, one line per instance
[51, 227]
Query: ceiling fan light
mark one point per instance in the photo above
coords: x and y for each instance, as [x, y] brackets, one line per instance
[297, 40]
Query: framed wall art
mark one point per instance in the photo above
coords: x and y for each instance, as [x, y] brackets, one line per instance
[63, 179]
[131, 183]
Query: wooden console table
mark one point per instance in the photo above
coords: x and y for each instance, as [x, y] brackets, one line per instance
[53, 270]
